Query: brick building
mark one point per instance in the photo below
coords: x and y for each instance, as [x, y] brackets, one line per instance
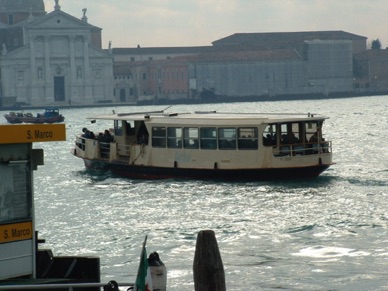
[244, 65]
[371, 71]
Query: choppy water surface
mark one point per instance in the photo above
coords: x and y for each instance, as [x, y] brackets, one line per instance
[324, 234]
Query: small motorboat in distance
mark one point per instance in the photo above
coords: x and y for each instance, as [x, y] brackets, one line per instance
[208, 145]
[51, 115]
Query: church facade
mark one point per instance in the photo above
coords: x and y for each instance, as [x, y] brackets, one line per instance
[58, 61]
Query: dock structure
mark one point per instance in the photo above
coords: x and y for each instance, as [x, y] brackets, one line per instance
[23, 266]
[21, 262]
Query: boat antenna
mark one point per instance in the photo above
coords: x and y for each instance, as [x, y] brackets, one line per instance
[166, 108]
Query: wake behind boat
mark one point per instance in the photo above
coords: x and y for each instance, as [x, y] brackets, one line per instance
[208, 145]
[51, 115]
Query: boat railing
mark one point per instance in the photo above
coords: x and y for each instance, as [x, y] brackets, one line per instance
[310, 148]
[80, 142]
[89, 146]
[93, 148]
[104, 149]
[70, 286]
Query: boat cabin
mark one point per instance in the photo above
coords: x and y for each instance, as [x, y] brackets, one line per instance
[293, 137]
[50, 112]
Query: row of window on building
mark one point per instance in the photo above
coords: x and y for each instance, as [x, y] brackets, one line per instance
[159, 75]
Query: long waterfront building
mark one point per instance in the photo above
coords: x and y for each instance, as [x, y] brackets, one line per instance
[57, 59]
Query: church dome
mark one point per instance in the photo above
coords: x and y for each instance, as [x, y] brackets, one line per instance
[20, 6]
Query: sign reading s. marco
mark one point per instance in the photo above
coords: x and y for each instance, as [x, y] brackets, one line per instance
[15, 232]
[28, 133]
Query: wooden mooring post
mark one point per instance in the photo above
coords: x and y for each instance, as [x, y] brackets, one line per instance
[208, 268]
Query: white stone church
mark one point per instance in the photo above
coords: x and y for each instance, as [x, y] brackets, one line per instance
[52, 59]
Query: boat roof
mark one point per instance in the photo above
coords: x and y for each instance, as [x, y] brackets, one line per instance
[201, 117]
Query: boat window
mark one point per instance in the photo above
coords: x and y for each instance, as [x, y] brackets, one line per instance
[174, 137]
[295, 133]
[289, 133]
[208, 138]
[129, 129]
[283, 134]
[247, 138]
[269, 135]
[291, 139]
[118, 128]
[313, 131]
[227, 138]
[159, 137]
[190, 138]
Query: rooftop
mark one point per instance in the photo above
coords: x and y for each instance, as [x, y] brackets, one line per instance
[284, 37]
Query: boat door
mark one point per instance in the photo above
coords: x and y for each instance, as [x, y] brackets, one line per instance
[124, 136]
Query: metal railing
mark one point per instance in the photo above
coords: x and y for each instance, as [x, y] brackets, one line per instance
[69, 286]
[305, 149]
[104, 148]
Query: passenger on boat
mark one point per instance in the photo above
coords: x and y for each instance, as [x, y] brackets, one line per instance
[314, 137]
[284, 139]
[142, 134]
[107, 136]
[269, 140]
[100, 137]
[87, 133]
[293, 138]
[130, 130]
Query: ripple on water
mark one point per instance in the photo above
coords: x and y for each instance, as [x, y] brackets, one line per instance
[329, 233]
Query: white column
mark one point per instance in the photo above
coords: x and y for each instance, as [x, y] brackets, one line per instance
[72, 58]
[48, 86]
[32, 88]
[86, 59]
[32, 60]
[88, 89]
[47, 74]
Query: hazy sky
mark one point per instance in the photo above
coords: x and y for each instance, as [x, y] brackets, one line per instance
[156, 23]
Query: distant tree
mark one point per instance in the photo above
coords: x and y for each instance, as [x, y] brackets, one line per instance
[376, 44]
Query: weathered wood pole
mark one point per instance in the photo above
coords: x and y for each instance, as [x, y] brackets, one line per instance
[208, 268]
